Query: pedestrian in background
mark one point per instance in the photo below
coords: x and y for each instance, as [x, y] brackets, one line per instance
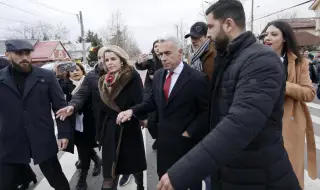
[297, 122]
[150, 62]
[202, 58]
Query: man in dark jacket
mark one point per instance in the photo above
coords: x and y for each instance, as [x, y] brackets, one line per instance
[26, 129]
[202, 59]
[244, 149]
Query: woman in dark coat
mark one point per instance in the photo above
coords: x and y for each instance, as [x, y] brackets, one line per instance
[84, 135]
[122, 146]
[150, 62]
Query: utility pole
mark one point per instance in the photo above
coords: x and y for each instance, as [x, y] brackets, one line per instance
[83, 40]
[182, 36]
[252, 16]
[177, 28]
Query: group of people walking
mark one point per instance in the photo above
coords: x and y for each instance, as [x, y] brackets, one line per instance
[234, 116]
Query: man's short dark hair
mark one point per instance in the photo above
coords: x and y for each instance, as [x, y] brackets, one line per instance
[224, 9]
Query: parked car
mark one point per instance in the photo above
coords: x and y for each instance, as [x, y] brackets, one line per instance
[49, 66]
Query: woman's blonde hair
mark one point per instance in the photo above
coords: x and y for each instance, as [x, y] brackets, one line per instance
[124, 57]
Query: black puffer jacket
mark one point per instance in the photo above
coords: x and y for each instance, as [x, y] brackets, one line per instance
[244, 150]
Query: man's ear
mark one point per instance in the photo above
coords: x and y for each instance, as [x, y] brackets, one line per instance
[181, 51]
[7, 54]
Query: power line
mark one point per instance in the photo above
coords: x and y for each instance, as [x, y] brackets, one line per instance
[282, 10]
[17, 8]
[51, 7]
[14, 20]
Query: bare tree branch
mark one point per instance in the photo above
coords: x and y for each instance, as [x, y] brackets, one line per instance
[40, 31]
[117, 33]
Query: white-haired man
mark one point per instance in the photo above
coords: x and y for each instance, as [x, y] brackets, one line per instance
[179, 94]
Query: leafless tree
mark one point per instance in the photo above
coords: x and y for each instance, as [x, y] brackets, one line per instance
[117, 33]
[289, 15]
[286, 15]
[40, 31]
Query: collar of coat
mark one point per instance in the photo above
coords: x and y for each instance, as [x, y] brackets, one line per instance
[108, 96]
[210, 51]
[292, 59]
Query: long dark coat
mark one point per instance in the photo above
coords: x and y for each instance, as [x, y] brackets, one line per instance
[26, 125]
[244, 150]
[126, 92]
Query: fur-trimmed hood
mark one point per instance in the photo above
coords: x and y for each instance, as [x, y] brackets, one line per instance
[108, 96]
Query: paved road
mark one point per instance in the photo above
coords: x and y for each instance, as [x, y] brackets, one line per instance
[67, 161]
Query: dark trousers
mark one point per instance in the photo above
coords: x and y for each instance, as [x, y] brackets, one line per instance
[86, 153]
[51, 169]
[170, 148]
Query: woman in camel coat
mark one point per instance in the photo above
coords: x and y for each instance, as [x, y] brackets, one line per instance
[297, 123]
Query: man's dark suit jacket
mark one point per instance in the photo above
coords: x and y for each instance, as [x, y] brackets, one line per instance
[185, 110]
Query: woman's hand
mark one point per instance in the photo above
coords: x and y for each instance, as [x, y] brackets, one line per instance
[142, 58]
[65, 112]
[124, 116]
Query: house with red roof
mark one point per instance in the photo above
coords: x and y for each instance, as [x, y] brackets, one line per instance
[49, 51]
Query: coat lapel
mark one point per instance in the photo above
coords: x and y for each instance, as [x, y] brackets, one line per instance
[8, 80]
[291, 67]
[31, 80]
[182, 80]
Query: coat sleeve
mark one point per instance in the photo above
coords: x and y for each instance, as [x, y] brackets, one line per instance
[143, 66]
[200, 125]
[138, 90]
[303, 91]
[80, 97]
[149, 104]
[260, 82]
[137, 95]
[57, 102]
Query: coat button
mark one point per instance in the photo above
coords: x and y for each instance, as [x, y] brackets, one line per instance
[291, 118]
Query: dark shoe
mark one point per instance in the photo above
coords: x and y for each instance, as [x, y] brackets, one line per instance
[125, 179]
[140, 187]
[29, 176]
[78, 165]
[97, 165]
[82, 180]
[26, 184]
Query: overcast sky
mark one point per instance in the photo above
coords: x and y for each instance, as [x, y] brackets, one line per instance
[147, 19]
